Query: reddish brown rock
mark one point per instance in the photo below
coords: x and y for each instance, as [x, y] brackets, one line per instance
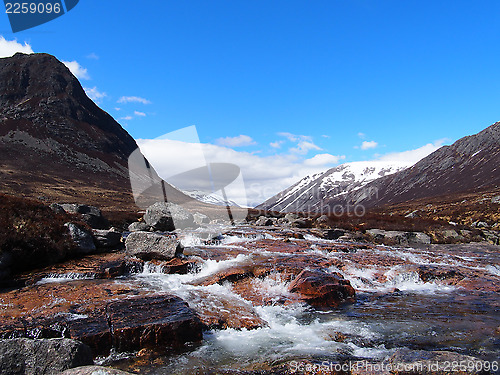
[93, 331]
[229, 274]
[224, 311]
[98, 313]
[322, 289]
[97, 266]
[152, 322]
[175, 265]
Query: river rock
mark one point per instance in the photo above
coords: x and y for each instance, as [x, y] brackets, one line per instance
[152, 322]
[399, 237]
[94, 370]
[495, 199]
[322, 289]
[147, 246]
[290, 217]
[334, 234]
[138, 226]
[418, 238]
[166, 216]
[90, 214]
[82, 238]
[264, 221]
[42, 357]
[107, 238]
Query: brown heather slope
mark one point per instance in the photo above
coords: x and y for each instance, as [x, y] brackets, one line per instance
[464, 208]
[56, 143]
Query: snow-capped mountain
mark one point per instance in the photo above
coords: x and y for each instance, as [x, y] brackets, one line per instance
[312, 192]
[209, 198]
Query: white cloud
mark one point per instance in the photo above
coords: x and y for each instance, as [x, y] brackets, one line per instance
[239, 141]
[323, 159]
[94, 94]
[133, 99]
[92, 56]
[117, 109]
[303, 147]
[413, 156]
[366, 145]
[276, 144]
[304, 143]
[10, 47]
[264, 176]
[361, 135]
[291, 137]
[126, 118]
[78, 71]
[141, 114]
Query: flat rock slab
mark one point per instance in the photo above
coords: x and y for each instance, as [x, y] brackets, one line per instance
[100, 313]
[152, 322]
[97, 266]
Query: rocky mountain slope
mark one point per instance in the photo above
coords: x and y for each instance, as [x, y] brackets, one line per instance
[312, 192]
[470, 165]
[55, 142]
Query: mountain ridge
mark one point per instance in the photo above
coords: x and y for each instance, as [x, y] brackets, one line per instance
[55, 142]
[469, 164]
[312, 191]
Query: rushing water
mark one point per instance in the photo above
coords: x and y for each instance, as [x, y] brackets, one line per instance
[395, 308]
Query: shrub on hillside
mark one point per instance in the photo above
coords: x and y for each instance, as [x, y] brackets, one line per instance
[31, 235]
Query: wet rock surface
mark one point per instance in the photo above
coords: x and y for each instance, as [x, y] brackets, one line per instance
[293, 286]
[322, 289]
[152, 322]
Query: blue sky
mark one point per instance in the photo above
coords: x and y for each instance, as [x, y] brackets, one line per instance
[354, 79]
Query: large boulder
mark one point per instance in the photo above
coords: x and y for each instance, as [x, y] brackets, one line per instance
[418, 238]
[322, 289]
[166, 216]
[148, 245]
[42, 357]
[263, 221]
[89, 214]
[82, 238]
[152, 322]
[107, 238]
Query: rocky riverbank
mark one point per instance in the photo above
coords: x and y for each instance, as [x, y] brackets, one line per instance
[155, 299]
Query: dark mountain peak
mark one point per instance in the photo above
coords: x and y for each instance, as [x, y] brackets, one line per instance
[55, 141]
[36, 75]
[41, 97]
